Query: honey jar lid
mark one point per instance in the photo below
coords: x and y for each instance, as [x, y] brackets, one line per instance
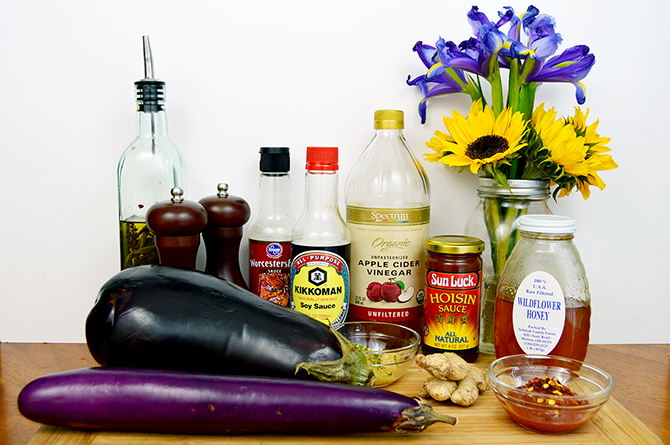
[224, 210]
[454, 244]
[176, 216]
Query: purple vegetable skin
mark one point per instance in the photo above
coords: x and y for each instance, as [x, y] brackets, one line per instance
[160, 401]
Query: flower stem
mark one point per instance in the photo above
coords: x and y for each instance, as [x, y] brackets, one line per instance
[496, 89]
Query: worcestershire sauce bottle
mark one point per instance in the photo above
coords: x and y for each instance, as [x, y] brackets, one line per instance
[271, 228]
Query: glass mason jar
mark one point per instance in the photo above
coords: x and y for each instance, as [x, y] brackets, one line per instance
[495, 220]
[543, 304]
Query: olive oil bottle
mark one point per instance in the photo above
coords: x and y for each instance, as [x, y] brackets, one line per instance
[148, 169]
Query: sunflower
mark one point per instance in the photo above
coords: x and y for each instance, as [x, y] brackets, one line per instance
[479, 139]
[572, 152]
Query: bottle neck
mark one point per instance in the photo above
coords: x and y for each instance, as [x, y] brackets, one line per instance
[321, 190]
[151, 124]
[388, 133]
[274, 193]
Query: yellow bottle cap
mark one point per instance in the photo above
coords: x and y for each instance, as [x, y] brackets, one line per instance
[389, 120]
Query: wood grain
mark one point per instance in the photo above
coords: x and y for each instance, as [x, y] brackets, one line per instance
[483, 423]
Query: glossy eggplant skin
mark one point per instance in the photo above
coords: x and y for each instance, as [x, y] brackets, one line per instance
[161, 401]
[172, 318]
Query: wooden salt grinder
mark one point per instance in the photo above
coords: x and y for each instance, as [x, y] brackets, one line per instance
[226, 214]
[177, 225]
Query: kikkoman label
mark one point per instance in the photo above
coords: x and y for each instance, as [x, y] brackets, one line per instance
[452, 308]
[387, 262]
[320, 286]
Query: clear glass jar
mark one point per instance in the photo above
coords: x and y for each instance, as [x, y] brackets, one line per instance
[495, 221]
[543, 303]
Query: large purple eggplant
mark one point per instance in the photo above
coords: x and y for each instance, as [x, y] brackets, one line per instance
[170, 318]
[126, 399]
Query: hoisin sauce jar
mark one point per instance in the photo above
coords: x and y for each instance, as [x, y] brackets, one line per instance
[452, 307]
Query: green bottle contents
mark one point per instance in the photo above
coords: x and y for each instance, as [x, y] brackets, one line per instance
[148, 169]
[388, 214]
[320, 244]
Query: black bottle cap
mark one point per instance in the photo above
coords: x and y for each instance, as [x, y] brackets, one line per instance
[275, 159]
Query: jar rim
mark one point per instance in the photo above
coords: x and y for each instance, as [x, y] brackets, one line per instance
[517, 187]
[454, 244]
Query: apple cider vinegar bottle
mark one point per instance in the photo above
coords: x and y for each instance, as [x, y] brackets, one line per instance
[387, 197]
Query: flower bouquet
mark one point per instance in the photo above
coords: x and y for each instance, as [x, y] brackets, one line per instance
[507, 139]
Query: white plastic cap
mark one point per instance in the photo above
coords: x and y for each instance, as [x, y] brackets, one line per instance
[547, 224]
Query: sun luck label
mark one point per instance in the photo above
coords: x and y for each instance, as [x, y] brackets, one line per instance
[451, 310]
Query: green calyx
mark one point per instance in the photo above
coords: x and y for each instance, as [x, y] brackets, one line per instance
[352, 368]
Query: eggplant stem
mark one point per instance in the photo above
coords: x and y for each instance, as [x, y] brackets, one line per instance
[352, 368]
[421, 417]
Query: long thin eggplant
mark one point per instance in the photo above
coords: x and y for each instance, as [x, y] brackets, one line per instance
[170, 318]
[127, 399]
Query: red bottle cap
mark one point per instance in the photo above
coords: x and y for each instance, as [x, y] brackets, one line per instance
[322, 158]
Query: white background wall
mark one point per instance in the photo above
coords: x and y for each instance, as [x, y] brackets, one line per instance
[241, 75]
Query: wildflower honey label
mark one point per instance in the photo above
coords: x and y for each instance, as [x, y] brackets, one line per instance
[320, 284]
[451, 310]
[387, 262]
[538, 315]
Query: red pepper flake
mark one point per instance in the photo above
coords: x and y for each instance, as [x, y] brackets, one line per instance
[549, 386]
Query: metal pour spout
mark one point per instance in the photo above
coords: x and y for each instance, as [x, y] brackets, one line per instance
[148, 59]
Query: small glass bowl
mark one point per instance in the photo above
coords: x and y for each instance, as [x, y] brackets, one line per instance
[549, 413]
[389, 348]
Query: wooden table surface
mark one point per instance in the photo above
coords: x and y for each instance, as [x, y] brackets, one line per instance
[641, 374]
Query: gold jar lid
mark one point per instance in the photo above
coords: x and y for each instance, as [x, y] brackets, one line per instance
[454, 244]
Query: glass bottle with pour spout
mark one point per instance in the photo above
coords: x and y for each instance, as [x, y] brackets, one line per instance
[149, 168]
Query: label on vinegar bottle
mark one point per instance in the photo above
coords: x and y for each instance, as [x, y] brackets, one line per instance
[269, 270]
[538, 316]
[452, 310]
[387, 263]
[320, 283]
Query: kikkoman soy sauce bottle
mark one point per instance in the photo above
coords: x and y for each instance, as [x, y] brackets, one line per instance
[148, 170]
[320, 244]
[387, 195]
[543, 304]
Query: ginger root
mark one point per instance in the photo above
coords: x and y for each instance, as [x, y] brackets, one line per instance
[468, 389]
[452, 378]
[445, 366]
[438, 389]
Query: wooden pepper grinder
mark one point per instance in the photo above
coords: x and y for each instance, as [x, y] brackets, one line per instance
[226, 214]
[177, 225]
